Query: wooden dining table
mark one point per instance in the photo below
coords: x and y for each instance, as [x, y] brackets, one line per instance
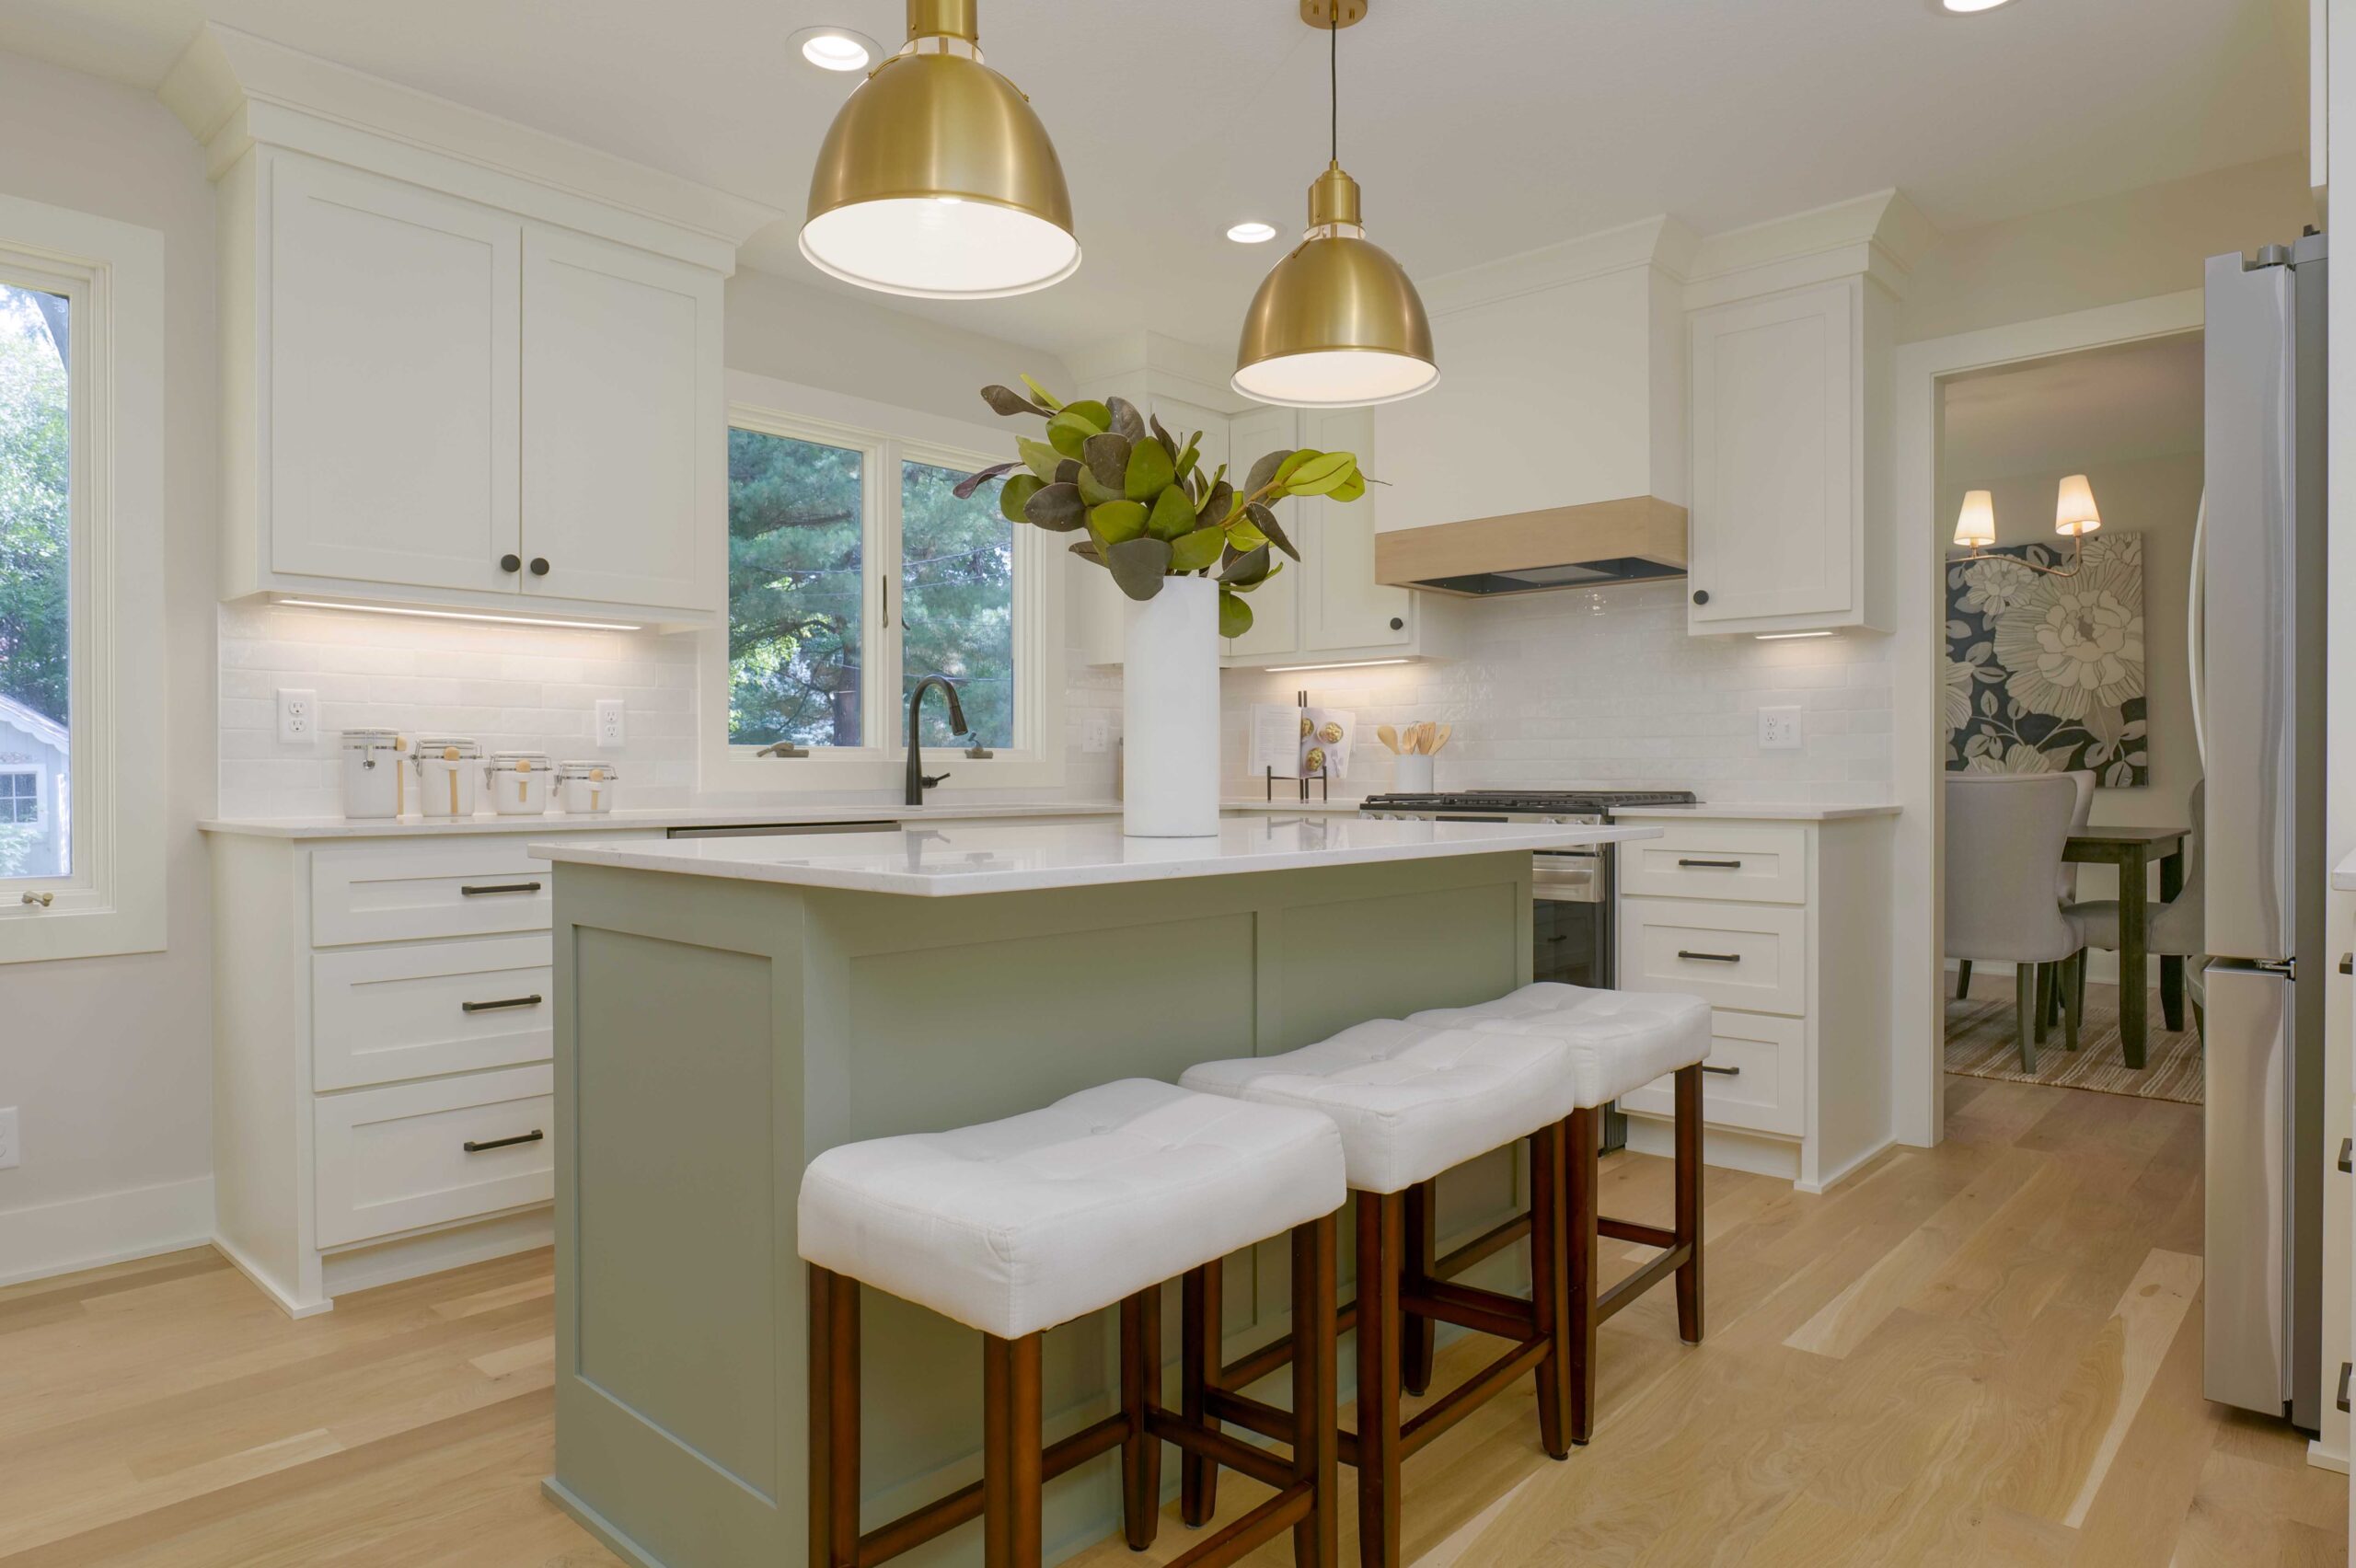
[2131, 849]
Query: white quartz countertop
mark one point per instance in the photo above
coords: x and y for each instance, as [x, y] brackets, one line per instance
[1025, 856]
[1705, 812]
[2343, 875]
[659, 818]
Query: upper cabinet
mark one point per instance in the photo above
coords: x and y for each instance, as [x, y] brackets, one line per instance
[453, 404]
[465, 364]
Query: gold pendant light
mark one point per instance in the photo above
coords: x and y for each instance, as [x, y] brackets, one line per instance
[1336, 324]
[936, 179]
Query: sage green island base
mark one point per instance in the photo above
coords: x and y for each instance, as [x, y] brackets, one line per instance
[715, 1032]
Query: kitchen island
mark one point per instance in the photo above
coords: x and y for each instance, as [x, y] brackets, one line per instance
[728, 1008]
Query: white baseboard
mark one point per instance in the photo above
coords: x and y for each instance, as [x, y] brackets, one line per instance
[288, 1302]
[105, 1228]
[1761, 1154]
[1831, 1179]
[431, 1251]
[2326, 1459]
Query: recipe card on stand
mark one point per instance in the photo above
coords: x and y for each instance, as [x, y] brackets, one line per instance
[1278, 731]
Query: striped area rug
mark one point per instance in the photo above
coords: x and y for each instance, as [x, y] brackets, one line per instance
[1980, 1043]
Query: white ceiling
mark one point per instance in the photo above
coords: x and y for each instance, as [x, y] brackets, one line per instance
[2073, 413]
[1479, 129]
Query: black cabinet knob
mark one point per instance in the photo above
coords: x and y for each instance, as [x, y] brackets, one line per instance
[1700, 595]
[510, 563]
[1397, 625]
[539, 566]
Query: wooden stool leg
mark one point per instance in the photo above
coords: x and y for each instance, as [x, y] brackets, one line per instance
[834, 1419]
[1200, 1321]
[1381, 1224]
[1013, 1452]
[1417, 1334]
[1963, 980]
[1316, 1541]
[1141, 1392]
[1581, 1177]
[1550, 1284]
[1689, 1201]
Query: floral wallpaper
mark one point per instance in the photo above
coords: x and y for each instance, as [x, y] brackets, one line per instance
[2045, 673]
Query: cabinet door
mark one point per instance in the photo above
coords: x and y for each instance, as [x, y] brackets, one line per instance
[1341, 604]
[625, 466]
[1777, 480]
[392, 331]
[1276, 605]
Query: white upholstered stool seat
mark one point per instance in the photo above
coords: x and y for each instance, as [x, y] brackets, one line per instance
[1616, 1041]
[1410, 1100]
[1016, 1226]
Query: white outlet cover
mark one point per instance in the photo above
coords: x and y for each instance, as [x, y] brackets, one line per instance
[11, 1152]
[1095, 734]
[1779, 729]
[298, 716]
[613, 727]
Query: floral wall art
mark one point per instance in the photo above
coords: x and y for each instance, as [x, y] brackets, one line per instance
[2045, 673]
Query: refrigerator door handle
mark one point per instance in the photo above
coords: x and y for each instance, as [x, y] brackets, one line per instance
[2196, 599]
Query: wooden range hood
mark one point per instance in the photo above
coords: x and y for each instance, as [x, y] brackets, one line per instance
[1628, 539]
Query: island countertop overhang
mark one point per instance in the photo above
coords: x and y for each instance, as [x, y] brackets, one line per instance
[930, 863]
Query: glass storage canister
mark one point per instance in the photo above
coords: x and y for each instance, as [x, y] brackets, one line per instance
[446, 765]
[588, 786]
[519, 782]
[373, 785]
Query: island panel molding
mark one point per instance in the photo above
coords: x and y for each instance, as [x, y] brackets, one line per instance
[715, 1034]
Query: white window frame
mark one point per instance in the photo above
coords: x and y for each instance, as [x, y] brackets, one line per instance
[112, 276]
[885, 436]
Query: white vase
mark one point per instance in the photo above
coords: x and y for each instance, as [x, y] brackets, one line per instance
[1170, 712]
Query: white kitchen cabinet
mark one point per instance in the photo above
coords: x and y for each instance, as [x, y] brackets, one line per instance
[1776, 924]
[624, 467]
[1778, 532]
[431, 400]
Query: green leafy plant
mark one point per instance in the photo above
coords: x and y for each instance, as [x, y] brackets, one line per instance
[1149, 510]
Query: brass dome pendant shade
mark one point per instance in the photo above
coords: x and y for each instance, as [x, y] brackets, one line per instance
[1336, 324]
[936, 179]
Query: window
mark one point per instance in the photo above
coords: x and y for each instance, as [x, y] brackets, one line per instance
[81, 602]
[854, 571]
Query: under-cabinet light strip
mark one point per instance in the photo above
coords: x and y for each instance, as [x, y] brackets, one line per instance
[459, 615]
[1344, 664]
[1786, 636]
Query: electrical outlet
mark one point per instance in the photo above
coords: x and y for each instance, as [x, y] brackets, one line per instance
[1095, 734]
[1779, 729]
[11, 1152]
[298, 713]
[612, 728]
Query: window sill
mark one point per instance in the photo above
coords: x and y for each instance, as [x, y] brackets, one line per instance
[743, 773]
[77, 924]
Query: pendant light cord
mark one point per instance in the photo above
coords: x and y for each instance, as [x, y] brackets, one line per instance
[1333, 79]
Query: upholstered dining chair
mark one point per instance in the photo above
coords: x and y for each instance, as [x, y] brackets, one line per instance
[2065, 893]
[2174, 929]
[2004, 837]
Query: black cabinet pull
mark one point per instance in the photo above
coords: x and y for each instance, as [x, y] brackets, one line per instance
[2348, 963]
[481, 890]
[2344, 1369]
[1711, 957]
[1715, 865]
[539, 566]
[1700, 595]
[1722, 1072]
[510, 563]
[535, 1136]
[1397, 623]
[531, 1001]
[2347, 1156]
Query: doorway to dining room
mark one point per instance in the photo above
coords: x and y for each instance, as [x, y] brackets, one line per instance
[2069, 490]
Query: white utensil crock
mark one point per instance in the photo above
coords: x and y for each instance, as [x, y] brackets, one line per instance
[1170, 712]
[1414, 774]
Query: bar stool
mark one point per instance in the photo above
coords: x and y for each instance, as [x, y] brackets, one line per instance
[1618, 1041]
[1013, 1227]
[1410, 1102]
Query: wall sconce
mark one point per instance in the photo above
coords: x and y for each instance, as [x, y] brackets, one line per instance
[2074, 516]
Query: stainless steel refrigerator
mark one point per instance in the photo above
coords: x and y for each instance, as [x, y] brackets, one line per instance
[2259, 607]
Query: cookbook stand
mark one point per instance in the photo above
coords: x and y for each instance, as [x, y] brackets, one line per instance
[1324, 778]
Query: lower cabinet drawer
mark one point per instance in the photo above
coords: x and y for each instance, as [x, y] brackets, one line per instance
[1755, 1078]
[416, 1154]
[1752, 956]
[379, 1015]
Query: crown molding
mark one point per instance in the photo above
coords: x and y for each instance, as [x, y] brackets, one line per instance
[1661, 243]
[1881, 236]
[233, 89]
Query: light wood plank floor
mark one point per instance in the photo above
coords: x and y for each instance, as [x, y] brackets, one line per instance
[1985, 1354]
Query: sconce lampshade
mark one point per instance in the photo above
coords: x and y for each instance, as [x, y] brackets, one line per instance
[2075, 515]
[1975, 529]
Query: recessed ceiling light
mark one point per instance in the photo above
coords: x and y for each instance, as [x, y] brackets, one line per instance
[1965, 8]
[836, 49]
[1252, 234]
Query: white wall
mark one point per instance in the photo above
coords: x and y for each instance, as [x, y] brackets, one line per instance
[109, 1059]
[1547, 693]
